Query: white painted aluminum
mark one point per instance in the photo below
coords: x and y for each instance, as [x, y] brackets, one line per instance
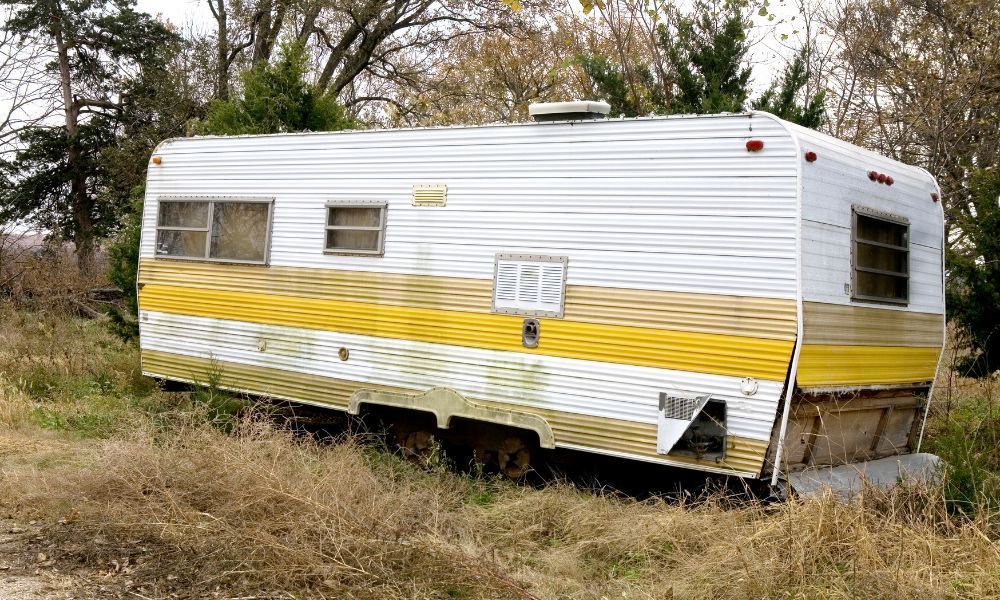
[677, 412]
[668, 204]
[838, 180]
[597, 389]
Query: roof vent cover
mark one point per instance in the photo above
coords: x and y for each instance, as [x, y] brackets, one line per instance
[576, 110]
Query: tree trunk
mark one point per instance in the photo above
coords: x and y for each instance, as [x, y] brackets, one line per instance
[83, 230]
[221, 48]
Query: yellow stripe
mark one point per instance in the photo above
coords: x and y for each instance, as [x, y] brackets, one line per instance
[770, 318]
[731, 355]
[841, 365]
[639, 439]
[866, 326]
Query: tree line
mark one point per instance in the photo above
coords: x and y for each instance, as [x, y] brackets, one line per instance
[89, 87]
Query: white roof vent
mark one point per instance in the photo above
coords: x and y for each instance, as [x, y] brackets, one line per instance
[569, 111]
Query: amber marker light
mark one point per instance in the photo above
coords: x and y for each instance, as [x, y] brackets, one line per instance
[157, 160]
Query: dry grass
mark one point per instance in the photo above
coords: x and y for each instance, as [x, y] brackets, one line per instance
[193, 511]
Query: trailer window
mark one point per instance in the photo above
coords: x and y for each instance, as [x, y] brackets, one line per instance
[218, 230]
[355, 228]
[881, 257]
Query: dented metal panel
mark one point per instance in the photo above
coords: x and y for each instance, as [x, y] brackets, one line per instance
[601, 434]
[622, 392]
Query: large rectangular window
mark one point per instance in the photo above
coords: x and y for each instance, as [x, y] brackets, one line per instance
[881, 257]
[355, 228]
[236, 230]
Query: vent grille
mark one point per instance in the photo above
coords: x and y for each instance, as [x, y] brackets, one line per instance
[430, 195]
[679, 407]
[530, 285]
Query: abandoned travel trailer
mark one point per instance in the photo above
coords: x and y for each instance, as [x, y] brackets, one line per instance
[729, 293]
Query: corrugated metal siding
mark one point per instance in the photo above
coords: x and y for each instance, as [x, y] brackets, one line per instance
[681, 251]
[662, 348]
[629, 438]
[852, 343]
[826, 366]
[767, 318]
[831, 185]
[673, 205]
[865, 326]
[623, 392]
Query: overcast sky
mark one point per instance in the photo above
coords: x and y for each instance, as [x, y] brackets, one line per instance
[179, 12]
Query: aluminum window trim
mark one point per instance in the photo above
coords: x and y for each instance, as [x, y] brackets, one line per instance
[871, 213]
[211, 201]
[381, 227]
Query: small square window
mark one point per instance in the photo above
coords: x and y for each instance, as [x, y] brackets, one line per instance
[355, 228]
[881, 257]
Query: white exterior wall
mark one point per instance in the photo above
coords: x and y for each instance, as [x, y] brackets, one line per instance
[675, 204]
[830, 186]
[661, 204]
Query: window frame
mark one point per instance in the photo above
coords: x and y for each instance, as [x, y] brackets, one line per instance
[381, 228]
[211, 201]
[871, 213]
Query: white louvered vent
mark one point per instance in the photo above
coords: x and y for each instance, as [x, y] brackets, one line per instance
[529, 285]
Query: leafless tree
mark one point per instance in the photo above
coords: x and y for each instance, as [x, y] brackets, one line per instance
[27, 93]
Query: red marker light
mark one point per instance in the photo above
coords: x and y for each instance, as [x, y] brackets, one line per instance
[881, 177]
[935, 197]
[889, 180]
[872, 175]
[755, 145]
[810, 156]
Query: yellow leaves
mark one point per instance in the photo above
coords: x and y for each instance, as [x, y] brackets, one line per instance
[589, 5]
[514, 5]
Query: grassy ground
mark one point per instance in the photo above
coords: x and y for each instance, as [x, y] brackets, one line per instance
[131, 491]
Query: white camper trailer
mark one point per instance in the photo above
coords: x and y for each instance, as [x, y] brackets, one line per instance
[730, 293]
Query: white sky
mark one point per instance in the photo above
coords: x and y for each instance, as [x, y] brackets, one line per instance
[179, 12]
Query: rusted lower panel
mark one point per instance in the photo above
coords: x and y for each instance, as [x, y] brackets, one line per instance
[841, 428]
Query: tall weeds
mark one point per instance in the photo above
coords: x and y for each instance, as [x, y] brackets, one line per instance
[145, 478]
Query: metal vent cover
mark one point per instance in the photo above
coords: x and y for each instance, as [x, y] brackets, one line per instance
[530, 285]
[677, 412]
[430, 195]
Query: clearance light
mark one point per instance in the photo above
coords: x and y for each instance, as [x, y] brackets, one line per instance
[889, 180]
[810, 156]
[873, 175]
[157, 160]
[755, 145]
[881, 178]
[935, 197]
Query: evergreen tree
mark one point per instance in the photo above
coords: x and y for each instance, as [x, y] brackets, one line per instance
[276, 99]
[974, 269]
[782, 100]
[98, 47]
[632, 96]
[707, 54]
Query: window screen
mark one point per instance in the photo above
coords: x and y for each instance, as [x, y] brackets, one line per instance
[355, 228]
[223, 230]
[881, 257]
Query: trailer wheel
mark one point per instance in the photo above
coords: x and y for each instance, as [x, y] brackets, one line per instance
[514, 458]
[416, 445]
